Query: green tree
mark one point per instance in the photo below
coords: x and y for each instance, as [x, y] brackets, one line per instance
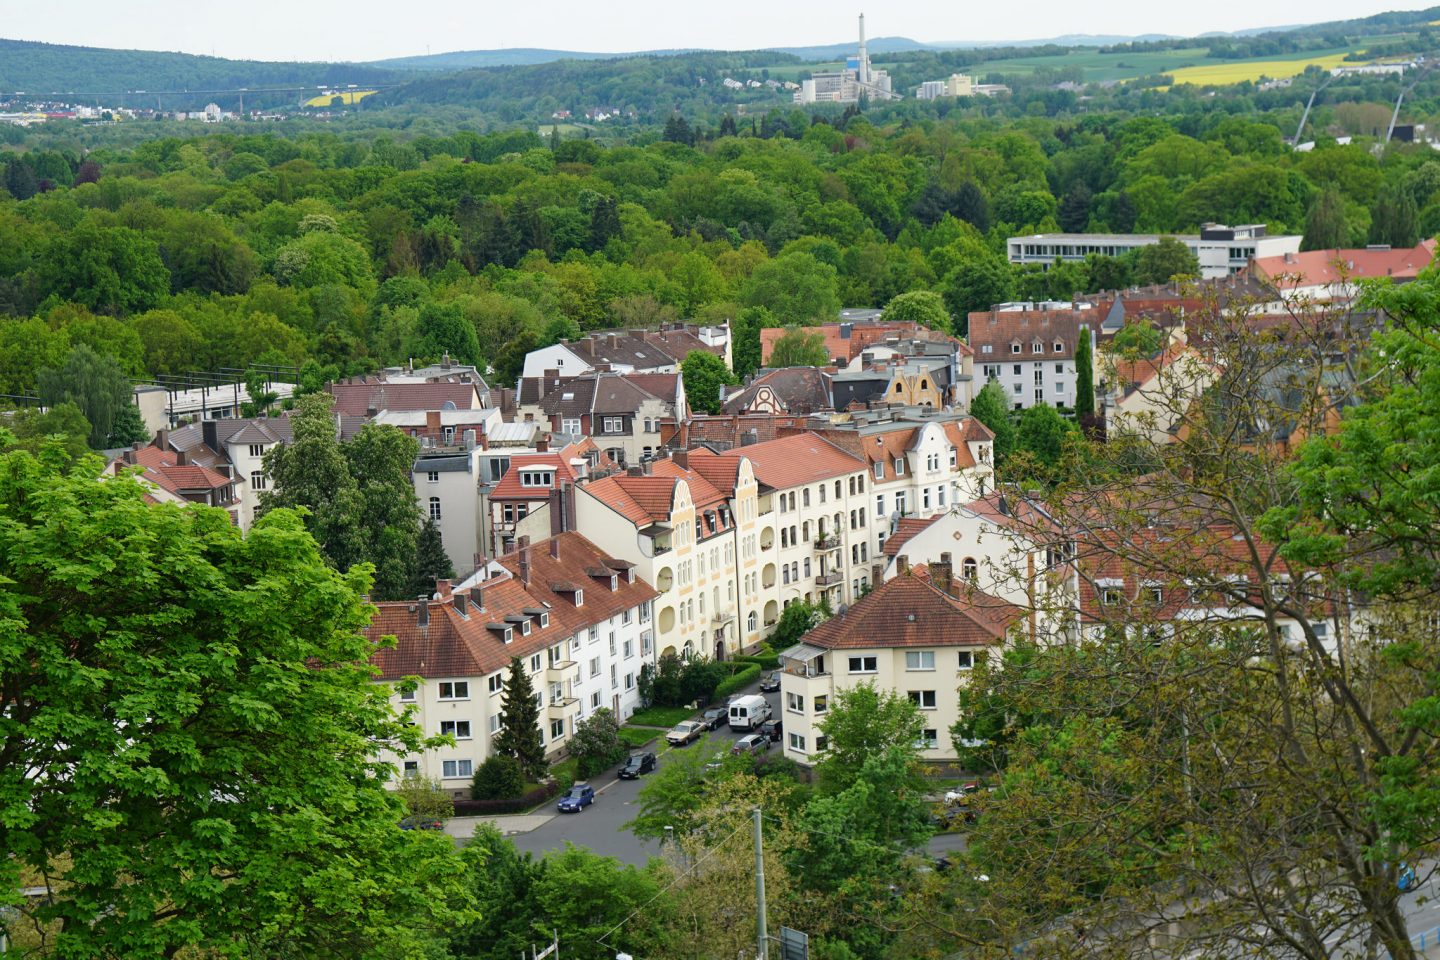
[62, 424]
[596, 744]
[380, 459]
[501, 880]
[919, 306]
[585, 897]
[1325, 224]
[220, 731]
[704, 373]
[977, 284]
[498, 778]
[127, 429]
[431, 561]
[745, 334]
[442, 329]
[1042, 434]
[795, 621]
[95, 384]
[510, 359]
[519, 735]
[1137, 339]
[1084, 375]
[1074, 211]
[867, 723]
[20, 180]
[797, 347]
[112, 270]
[795, 287]
[992, 408]
[1163, 260]
[1394, 219]
[425, 798]
[312, 473]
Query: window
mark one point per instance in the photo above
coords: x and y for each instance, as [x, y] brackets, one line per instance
[1059, 386]
[969, 570]
[449, 434]
[432, 476]
[924, 699]
[459, 729]
[454, 769]
[925, 499]
[864, 665]
[495, 683]
[544, 622]
[595, 700]
[494, 723]
[614, 678]
[257, 479]
[412, 768]
[454, 690]
[570, 425]
[1017, 370]
[629, 680]
[1157, 595]
[899, 467]
[1037, 347]
[821, 742]
[557, 729]
[1110, 596]
[595, 666]
[629, 648]
[967, 660]
[535, 478]
[1017, 390]
[987, 348]
[805, 496]
[1014, 348]
[1059, 348]
[407, 696]
[257, 450]
[614, 424]
[794, 703]
[1059, 368]
[797, 742]
[929, 738]
[821, 703]
[434, 508]
[919, 659]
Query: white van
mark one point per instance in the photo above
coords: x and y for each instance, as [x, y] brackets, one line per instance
[747, 713]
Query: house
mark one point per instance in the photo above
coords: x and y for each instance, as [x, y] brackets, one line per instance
[1031, 352]
[173, 479]
[1332, 275]
[368, 396]
[792, 390]
[622, 412]
[855, 333]
[920, 633]
[578, 619]
[629, 351]
[698, 544]
[519, 504]
[1151, 396]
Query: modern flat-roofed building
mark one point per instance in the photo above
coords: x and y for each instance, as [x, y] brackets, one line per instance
[1221, 250]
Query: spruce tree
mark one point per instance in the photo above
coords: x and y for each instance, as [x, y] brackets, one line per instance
[128, 428]
[519, 735]
[1084, 376]
[431, 561]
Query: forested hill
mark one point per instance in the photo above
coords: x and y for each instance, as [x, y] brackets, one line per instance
[38, 68]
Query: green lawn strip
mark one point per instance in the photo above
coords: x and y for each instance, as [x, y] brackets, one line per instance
[660, 716]
[638, 736]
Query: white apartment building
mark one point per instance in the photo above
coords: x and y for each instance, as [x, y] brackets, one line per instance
[1221, 250]
[1031, 353]
[579, 620]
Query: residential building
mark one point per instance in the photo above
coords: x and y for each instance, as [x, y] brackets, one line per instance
[1221, 250]
[622, 412]
[519, 504]
[857, 332]
[700, 547]
[165, 406]
[789, 390]
[1324, 276]
[1152, 396]
[1031, 353]
[173, 479]
[919, 634]
[368, 396]
[578, 619]
[629, 351]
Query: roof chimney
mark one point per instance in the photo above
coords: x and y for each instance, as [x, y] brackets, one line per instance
[524, 549]
[442, 587]
[422, 611]
[542, 445]
[902, 564]
[462, 605]
[477, 597]
[942, 575]
[555, 548]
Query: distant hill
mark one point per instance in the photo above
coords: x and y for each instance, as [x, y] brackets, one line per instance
[40, 68]
[509, 57]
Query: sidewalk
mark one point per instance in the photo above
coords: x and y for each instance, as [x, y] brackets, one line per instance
[463, 828]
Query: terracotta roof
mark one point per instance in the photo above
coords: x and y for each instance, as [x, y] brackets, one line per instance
[727, 430]
[904, 531]
[356, 399]
[1325, 267]
[1130, 375]
[509, 487]
[842, 346]
[163, 469]
[641, 500]
[999, 330]
[452, 645]
[912, 611]
[882, 446]
[792, 461]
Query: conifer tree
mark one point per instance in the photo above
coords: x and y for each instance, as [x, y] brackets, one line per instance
[519, 735]
[431, 561]
[1084, 376]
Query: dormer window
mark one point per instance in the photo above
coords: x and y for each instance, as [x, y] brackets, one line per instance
[899, 467]
[544, 620]
[579, 598]
[1059, 347]
[525, 628]
[507, 635]
[535, 478]
[1036, 346]
[614, 583]
[257, 449]
[1015, 347]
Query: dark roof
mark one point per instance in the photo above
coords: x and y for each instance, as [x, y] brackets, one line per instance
[796, 389]
[912, 611]
[359, 398]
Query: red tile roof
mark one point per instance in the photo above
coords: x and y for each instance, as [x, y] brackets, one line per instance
[641, 500]
[861, 335]
[904, 531]
[912, 611]
[1325, 267]
[509, 487]
[792, 461]
[356, 399]
[999, 330]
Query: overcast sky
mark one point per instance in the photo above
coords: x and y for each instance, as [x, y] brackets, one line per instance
[372, 29]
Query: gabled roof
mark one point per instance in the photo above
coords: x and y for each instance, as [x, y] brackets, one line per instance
[795, 460]
[796, 389]
[356, 399]
[912, 611]
[576, 566]
[641, 500]
[1326, 267]
[904, 531]
[510, 488]
[1000, 329]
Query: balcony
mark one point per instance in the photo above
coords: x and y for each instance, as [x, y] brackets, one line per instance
[720, 617]
[828, 579]
[560, 667]
[827, 543]
[559, 708]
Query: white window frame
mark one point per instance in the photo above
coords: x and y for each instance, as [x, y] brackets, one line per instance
[456, 726]
[872, 660]
[920, 660]
[454, 690]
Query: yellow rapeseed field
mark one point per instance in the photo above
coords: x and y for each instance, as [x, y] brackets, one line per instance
[348, 97]
[1242, 70]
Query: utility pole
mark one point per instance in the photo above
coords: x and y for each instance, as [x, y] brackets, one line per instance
[761, 940]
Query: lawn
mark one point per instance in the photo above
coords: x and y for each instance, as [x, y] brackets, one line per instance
[660, 716]
[637, 736]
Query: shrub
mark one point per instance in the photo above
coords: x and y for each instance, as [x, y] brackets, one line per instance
[424, 797]
[498, 778]
[738, 680]
[519, 804]
[701, 677]
[597, 744]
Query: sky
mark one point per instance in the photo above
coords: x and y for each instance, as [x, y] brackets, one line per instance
[375, 29]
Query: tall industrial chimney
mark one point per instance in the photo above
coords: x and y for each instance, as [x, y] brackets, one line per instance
[863, 70]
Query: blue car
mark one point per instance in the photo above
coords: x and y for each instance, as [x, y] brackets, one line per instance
[578, 798]
[1406, 880]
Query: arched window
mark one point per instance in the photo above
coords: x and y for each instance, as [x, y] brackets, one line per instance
[897, 388]
[969, 570]
[434, 508]
[751, 622]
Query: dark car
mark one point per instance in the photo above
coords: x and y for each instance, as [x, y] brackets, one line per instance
[716, 717]
[421, 823]
[637, 766]
[751, 743]
[774, 729]
[770, 682]
[577, 798]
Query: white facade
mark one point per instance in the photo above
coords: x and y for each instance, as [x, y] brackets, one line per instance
[1030, 382]
[1221, 251]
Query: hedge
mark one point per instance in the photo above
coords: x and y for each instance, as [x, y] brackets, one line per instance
[520, 804]
[739, 679]
[764, 655]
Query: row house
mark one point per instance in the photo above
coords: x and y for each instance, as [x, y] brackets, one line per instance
[171, 478]
[622, 412]
[1031, 352]
[815, 534]
[920, 634]
[630, 351]
[579, 620]
[520, 503]
[697, 544]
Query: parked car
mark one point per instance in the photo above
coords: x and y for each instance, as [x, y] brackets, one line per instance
[751, 743]
[770, 682]
[774, 729]
[684, 732]
[637, 766]
[714, 717]
[1406, 880]
[421, 823]
[748, 712]
[577, 798]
